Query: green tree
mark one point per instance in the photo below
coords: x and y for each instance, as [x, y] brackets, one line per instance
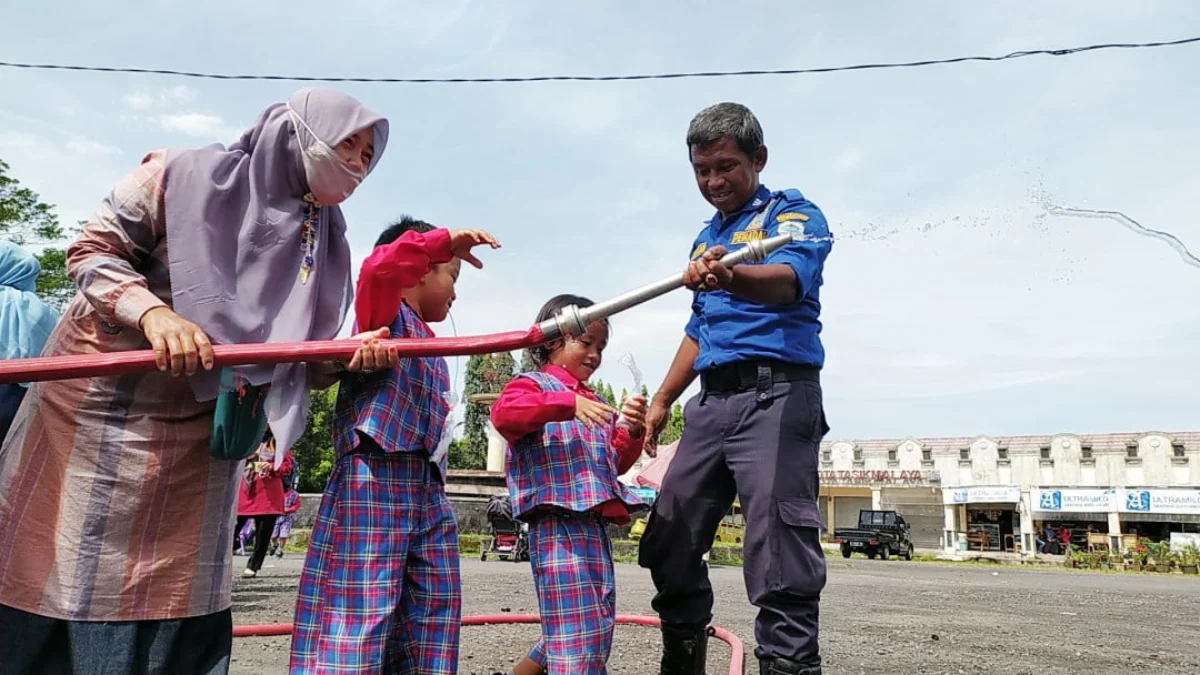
[624, 395]
[504, 367]
[604, 390]
[24, 217]
[646, 393]
[462, 456]
[674, 429]
[313, 452]
[26, 220]
[527, 364]
[486, 374]
[53, 284]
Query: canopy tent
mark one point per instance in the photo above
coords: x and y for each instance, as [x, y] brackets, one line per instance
[652, 473]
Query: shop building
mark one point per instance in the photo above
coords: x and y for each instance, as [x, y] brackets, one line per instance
[1003, 494]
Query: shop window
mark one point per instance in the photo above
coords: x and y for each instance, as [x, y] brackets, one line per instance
[1178, 449]
[1002, 456]
[892, 460]
[858, 457]
[1086, 451]
[964, 453]
[1131, 454]
[1045, 452]
[827, 456]
[926, 457]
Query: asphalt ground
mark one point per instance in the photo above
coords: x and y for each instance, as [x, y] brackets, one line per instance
[877, 617]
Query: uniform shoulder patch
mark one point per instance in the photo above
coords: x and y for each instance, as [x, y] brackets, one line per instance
[791, 215]
[699, 250]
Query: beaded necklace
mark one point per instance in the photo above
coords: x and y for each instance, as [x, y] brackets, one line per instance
[308, 237]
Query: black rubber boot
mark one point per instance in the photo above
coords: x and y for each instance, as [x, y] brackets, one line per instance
[778, 666]
[685, 650]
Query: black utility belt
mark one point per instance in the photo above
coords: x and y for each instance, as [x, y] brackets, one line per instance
[753, 375]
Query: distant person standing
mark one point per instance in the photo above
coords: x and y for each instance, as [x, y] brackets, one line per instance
[261, 497]
[25, 321]
[755, 429]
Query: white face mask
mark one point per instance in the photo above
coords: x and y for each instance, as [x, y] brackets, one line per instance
[330, 178]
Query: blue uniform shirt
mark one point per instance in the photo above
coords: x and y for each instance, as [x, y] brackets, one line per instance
[730, 329]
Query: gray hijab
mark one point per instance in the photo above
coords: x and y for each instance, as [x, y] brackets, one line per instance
[234, 221]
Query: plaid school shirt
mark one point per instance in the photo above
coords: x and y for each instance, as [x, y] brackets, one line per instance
[554, 460]
[403, 409]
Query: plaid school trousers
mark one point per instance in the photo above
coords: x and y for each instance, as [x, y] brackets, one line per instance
[571, 558]
[381, 590]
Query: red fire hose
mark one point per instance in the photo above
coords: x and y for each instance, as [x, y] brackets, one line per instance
[142, 360]
[737, 655]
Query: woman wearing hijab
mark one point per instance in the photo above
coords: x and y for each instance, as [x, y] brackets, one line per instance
[25, 321]
[117, 494]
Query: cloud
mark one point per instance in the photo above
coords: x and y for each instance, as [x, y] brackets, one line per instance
[146, 99]
[580, 110]
[193, 124]
[140, 100]
[211, 128]
[84, 146]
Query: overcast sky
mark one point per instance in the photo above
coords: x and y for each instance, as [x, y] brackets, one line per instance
[953, 304]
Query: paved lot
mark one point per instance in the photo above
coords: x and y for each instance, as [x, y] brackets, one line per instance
[878, 617]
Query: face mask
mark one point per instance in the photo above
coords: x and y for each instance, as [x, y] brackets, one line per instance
[330, 178]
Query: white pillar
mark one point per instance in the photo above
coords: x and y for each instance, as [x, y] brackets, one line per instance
[951, 540]
[1028, 538]
[495, 449]
[877, 499]
[1114, 531]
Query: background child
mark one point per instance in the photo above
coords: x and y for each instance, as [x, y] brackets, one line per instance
[380, 591]
[283, 526]
[564, 457]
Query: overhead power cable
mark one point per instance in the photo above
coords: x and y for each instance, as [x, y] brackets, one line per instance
[605, 78]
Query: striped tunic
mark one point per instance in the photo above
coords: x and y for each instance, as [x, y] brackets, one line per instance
[111, 508]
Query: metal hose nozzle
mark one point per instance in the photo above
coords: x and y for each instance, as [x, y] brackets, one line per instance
[573, 321]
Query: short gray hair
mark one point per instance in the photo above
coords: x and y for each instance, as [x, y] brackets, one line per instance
[726, 120]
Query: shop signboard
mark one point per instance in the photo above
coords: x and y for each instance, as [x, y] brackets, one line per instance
[880, 477]
[1180, 501]
[1073, 500]
[982, 494]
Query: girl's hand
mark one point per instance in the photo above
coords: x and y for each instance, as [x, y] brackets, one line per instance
[592, 412]
[633, 415]
[372, 355]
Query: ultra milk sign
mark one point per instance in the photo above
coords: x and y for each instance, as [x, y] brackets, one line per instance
[1074, 500]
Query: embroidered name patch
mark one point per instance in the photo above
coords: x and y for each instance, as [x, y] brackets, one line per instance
[746, 236]
[791, 216]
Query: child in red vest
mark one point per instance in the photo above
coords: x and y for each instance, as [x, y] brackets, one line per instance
[565, 454]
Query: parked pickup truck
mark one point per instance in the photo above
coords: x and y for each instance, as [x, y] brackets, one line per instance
[882, 533]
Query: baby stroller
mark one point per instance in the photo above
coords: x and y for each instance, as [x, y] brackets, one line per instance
[510, 537]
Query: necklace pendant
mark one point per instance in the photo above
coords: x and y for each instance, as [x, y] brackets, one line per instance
[304, 275]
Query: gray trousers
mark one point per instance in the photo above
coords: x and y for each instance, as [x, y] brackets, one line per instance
[763, 447]
[37, 645]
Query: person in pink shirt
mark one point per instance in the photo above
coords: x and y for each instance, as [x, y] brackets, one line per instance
[260, 496]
